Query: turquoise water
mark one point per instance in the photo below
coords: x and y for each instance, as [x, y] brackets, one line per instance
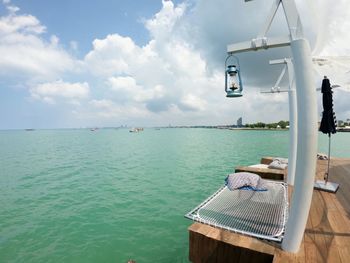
[111, 195]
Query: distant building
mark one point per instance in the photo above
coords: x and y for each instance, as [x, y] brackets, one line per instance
[340, 123]
[240, 122]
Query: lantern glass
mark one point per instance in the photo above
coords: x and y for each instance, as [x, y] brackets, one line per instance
[233, 83]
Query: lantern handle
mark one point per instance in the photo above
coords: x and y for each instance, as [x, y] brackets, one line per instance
[229, 56]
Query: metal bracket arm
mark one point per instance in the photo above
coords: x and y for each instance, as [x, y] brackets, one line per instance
[288, 67]
[256, 44]
[261, 41]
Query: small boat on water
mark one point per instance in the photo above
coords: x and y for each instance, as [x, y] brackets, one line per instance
[136, 130]
[93, 129]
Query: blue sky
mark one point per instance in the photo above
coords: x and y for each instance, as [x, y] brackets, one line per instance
[84, 21]
[71, 64]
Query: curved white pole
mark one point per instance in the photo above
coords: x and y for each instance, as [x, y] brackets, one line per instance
[292, 155]
[307, 145]
[293, 111]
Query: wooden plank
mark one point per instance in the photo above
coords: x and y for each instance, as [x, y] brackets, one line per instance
[338, 203]
[344, 254]
[341, 229]
[234, 238]
[343, 199]
[308, 236]
[197, 234]
[323, 203]
[194, 227]
[209, 248]
[271, 174]
[343, 193]
[326, 239]
[253, 256]
[328, 200]
[194, 251]
[285, 257]
[300, 257]
[333, 255]
[281, 256]
[266, 160]
[311, 252]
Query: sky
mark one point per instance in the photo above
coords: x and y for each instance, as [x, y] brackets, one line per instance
[74, 64]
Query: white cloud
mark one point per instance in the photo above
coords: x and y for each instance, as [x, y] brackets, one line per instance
[24, 53]
[164, 78]
[332, 27]
[161, 25]
[102, 104]
[12, 9]
[74, 45]
[177, 77]
[20, 24]
[51, 91]
[193, 102]
[332, 48]
[124, 83]
[127, 87]
[157, 75]
[35, 61]
[108, 111]
[110, 56]
[337, 69]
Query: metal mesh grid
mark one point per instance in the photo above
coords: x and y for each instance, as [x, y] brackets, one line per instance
[261, 214]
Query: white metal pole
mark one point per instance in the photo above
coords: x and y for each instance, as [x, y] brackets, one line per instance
[293, 111]
[329, 157]
[307, 145]
[292, 156]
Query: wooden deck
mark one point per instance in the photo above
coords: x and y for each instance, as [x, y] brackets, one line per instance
[266, 173]
[326, 238]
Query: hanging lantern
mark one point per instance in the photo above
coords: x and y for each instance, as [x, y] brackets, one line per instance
[233, 82]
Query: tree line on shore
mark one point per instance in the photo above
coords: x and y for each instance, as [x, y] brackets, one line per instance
[343, 124]
[262, 125]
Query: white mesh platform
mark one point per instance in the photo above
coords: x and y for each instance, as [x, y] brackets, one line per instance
[259, 214]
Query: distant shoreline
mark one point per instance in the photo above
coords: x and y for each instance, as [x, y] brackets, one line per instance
[237, 128]
[225, 128]
[176, 127]
[343, 130]
[259, 129]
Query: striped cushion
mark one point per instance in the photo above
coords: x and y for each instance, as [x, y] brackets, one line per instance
[281, 160]
[276, 164]
[245, 180]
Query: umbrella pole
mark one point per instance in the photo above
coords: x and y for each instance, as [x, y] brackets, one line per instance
[324, 185]
[329, 158]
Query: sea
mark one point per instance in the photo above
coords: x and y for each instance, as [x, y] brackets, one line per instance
[110, 195]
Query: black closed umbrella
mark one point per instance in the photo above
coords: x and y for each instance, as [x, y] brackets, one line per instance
[328, 126]
[328, 117]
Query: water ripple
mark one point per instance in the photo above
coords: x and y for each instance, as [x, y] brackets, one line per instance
[107, 196]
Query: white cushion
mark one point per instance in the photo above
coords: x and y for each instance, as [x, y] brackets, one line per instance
[276, 164]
